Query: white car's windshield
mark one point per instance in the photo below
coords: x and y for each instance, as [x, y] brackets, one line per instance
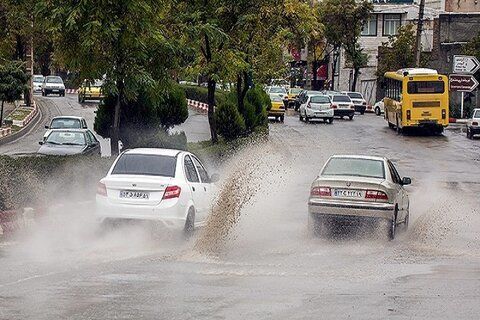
[54, 80]
[354, 167]
[146, 164]
[66, 138]
[278, 90]
[65, 123]
[37, 78]
[320, 99]
[341, 98]
[355, 95]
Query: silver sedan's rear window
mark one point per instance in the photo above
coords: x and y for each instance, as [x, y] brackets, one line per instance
[354, 167]
[146, 165]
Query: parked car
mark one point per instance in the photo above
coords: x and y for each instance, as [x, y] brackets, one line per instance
[37, 82]
[171, 187]
[379, 108]
[353, 188]
[90, 91]
[317, 107]
[343, 106]
[358, 100]
[473, 126]
[53, 84]
[302, 97]
[62, 142]
[278, 107]
[65, 122]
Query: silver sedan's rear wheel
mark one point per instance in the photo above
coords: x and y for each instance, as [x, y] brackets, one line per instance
[392, 226]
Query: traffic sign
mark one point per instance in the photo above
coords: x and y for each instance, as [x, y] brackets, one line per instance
[465, 64]
[462, 82]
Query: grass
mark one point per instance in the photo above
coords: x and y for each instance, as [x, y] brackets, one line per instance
[19, 114]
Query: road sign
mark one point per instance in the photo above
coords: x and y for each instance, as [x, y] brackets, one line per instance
[462, 82]
[465, 64]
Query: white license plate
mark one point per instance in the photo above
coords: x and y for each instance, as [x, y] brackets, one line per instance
[126, 194]
[348, 193]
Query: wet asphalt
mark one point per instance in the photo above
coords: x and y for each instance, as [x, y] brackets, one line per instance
[270, 266]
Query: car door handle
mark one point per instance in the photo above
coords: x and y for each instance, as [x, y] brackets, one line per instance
[205, 188]
[193, 188]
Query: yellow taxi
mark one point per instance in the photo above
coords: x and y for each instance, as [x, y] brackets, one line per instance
[90, 91]
[292, 95]
[278, 107]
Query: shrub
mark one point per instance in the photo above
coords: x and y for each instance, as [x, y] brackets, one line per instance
[257, 102]
[201, 94]
[230, 123]
[143, 118]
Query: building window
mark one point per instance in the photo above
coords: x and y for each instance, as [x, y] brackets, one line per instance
[370, 26]
[391, 23]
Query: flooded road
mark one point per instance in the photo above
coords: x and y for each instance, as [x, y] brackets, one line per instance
[269, 267]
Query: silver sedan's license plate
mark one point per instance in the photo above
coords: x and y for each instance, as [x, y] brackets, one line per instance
[126, 194]
[348, 193]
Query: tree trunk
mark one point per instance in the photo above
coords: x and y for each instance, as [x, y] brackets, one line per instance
[356, 72]
[1, 115]
[115, 136]
[211, 106]
[315, 67]
[335, 61]
[240, 103]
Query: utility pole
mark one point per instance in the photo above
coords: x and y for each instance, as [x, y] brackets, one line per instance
[29, 66]
[418, 43]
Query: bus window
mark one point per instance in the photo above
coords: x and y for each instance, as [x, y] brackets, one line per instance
[426, 87]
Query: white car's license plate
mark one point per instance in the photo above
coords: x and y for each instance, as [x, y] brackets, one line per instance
[348, 193]
[126, 194]
[55, 90]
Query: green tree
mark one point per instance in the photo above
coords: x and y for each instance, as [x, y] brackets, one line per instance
[13, 82]
[343, 21]
[398, 51]
[472, 48]
[125, 41]
[231, 124]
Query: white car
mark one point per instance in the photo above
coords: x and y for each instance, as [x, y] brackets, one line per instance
[167, 186]
[65, 122]
[379, 108]
[342, 106]
[317, 107]
[280, 91]
[53, 84]
[358, 100]
[37, 82]
[473, 127]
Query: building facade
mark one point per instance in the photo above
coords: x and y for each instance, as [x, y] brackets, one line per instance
[384, 21]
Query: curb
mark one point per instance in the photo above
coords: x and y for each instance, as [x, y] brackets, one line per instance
[71, 91]
[34, 119]
[197, 105]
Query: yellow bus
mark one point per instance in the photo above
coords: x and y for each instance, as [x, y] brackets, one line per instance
[416, 98]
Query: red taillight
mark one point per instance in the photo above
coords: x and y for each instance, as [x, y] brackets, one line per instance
[475, 123]
[101, 189]
[334, 106]
[369, 107]
[321, 192]
[376, 195]
[172, 192]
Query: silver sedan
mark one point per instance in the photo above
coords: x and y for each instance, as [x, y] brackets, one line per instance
[358, 188]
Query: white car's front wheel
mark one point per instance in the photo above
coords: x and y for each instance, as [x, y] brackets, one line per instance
[377, 111]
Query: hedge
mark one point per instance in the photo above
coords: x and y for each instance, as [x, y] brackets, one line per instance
[201, 94]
